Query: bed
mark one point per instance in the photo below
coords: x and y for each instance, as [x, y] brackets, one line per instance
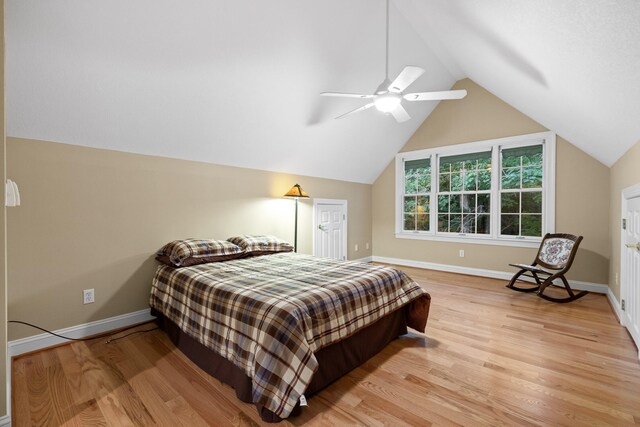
[280, 326]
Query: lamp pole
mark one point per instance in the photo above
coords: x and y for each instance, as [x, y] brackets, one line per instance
[296, 192]
[295, 229]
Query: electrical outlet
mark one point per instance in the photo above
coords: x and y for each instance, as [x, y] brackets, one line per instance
[88, 296]
[367, 246]
[461, 253]
[356, 247]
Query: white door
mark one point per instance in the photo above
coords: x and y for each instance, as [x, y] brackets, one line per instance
[330, 234]
[630, 257]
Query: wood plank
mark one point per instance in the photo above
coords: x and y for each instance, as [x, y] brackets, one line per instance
[142, 377]
[40, 402]
[20, 406]
[60, 393]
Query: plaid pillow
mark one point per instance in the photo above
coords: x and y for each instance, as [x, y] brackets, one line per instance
[259, 245]
[183, 253]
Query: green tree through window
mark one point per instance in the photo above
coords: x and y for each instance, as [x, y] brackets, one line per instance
[417, 189]
[464, 199]
[521, 182]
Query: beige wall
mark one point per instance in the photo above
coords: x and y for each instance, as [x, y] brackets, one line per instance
[624, 173]
[3, 241]
[92, 218]
[582, 190]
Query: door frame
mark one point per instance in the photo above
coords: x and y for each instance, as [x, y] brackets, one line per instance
[341, 202]
[627, 194]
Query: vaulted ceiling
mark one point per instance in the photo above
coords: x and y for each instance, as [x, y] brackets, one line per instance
[237, 82]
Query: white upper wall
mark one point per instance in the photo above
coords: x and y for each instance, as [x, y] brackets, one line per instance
[237, 82]
[571, 65]
[227, 82]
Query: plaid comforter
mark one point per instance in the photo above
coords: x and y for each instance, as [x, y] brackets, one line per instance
[269, 314]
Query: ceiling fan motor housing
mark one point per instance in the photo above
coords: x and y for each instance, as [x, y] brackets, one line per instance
[384, 87]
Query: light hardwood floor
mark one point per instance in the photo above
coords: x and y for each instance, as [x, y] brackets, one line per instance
[491, 356]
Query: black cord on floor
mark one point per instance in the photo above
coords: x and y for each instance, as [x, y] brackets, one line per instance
[130, 333]
[88, 338]
[49, 332]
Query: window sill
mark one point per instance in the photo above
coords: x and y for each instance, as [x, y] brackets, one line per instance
[531, 243]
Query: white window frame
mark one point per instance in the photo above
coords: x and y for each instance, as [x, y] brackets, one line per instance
[547, 139]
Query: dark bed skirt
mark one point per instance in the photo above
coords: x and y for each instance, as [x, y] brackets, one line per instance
[334, 361]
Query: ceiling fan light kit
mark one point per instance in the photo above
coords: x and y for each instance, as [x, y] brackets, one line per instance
[389, 95]
[388, 102]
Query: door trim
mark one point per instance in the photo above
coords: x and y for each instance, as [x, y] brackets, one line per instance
[627, 194]
[341, 202]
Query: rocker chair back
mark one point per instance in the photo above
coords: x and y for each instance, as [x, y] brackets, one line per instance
[557, 251]
[554, 259]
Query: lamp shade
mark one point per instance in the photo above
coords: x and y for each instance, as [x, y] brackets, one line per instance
[296, 191]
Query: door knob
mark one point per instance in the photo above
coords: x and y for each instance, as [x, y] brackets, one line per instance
[322, 227]
[629, 245]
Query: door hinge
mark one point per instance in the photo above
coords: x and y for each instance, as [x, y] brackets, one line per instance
[344, 217]
[622, 305]
[624, 223]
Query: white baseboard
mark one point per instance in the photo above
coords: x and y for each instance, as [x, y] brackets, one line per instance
[365, 259]
[5, 421]
[616, 305]
[575, 284]
[37, 342]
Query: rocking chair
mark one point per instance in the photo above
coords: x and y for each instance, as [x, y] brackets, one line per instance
[556, 254]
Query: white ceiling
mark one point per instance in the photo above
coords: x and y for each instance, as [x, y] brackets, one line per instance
[237, 82]
[571, 65]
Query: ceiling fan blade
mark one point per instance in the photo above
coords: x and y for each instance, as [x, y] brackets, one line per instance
[346, 95]
[364, 107]
[400, 114]
[408, 75]
[436, 96]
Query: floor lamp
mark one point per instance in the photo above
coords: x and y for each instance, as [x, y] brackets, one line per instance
[296, 192]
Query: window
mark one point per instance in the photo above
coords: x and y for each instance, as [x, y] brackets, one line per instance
[495, 192]
[417, 193]
[464, 184]
[521, 191]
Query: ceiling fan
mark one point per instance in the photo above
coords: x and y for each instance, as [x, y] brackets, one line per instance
[389, 95]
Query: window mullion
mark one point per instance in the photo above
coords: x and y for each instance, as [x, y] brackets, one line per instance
[548, 185]
[433, 199]
[400, 191]
[496, 168]
[521, 171]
